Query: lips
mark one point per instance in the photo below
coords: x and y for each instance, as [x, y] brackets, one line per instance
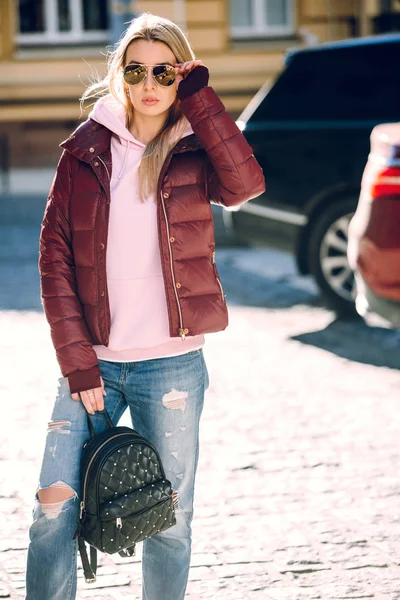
[149, 100]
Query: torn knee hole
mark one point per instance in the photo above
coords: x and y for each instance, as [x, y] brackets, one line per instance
[175, 499]
[60, 426]
[175, 400]
[53, 498]
[55, 493]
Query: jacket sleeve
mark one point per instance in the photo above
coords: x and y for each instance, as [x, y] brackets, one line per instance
[233, 175]
[58, 290]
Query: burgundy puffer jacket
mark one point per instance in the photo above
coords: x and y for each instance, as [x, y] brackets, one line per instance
[216, 164]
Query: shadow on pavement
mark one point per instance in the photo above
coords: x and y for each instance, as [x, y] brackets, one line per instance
[355, 340]
[249, 288]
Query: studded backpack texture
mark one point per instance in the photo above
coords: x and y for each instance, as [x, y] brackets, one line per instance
[125, 496]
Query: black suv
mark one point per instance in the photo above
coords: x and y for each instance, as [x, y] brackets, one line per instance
[310, 132]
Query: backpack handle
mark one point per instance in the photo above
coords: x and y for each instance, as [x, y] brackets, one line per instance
[90, 424]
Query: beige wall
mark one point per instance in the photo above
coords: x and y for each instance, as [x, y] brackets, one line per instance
[7, 25]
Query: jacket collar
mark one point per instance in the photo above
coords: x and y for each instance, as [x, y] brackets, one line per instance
[91, 139]
[88, 141]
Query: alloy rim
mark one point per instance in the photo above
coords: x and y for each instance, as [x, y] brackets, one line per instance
[333, 256]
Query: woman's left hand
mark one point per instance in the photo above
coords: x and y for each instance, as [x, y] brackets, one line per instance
[183, 69]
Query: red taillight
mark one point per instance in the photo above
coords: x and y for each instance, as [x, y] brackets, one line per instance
[383, 181]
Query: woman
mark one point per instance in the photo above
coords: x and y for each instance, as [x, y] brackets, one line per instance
[129, 286]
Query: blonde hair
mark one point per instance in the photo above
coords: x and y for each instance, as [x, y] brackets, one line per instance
[153, 28]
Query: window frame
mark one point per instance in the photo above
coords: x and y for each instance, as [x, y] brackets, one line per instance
[53, 36]
[259, 28]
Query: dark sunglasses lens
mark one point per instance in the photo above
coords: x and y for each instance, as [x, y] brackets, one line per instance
[164, 75]
[134, 74]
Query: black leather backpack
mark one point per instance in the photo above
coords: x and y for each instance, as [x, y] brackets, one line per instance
[125, 496]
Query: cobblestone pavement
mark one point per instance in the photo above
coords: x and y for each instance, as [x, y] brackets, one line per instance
[297, 494]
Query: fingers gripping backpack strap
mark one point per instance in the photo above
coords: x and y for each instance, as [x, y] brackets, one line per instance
[89, 570]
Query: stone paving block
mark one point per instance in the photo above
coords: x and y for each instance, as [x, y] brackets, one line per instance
[383, 581]
[17, 543]
[210, 588]
[299, 560]
[255, 582]
[347, 592]
[290, 593]
[205, 559]
[108, 581]
[253, 554]
[130, 593]
[232, 570]
[201, 573]
[319, 578]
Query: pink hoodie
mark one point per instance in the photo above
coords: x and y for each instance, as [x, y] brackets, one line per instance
[139, 317]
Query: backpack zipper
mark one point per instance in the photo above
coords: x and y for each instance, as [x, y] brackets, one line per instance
[118, 520]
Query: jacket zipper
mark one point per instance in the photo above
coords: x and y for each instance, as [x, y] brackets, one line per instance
[108, 173]
[180, 330]
[108, 202]
[216, 276]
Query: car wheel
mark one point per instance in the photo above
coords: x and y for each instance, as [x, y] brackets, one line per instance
[327, 254]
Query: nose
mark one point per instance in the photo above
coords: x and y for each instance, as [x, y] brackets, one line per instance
[149, 82]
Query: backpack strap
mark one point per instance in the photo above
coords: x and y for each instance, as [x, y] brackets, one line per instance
[89, 570]
[90, 424]
[131, 551]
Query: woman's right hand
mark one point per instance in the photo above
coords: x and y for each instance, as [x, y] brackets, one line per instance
[92, 400]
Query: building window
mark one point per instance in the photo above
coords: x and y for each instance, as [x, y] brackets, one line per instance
[62, 21]
[261, 18]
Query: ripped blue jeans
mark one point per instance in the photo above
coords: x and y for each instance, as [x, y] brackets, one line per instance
[165, 398]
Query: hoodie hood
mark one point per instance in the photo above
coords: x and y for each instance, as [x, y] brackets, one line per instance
[109, 112]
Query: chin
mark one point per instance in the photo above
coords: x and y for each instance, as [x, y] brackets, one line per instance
[152, 110]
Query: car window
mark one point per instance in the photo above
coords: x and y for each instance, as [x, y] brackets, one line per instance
[358, 82]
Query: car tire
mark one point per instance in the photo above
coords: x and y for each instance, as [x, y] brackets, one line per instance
[327, 256]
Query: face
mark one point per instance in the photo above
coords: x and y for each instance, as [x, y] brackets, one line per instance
[148, 97]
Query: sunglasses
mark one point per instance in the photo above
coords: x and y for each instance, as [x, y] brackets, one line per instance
[162, 74]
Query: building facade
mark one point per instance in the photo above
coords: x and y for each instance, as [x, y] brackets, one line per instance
[50, 50]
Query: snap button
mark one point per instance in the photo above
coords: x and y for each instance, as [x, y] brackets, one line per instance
[71, 137]
[178, 285]
[91, 149]
[96, 164]
[171, 239]
[102, 293]
[186, 331]
[102, 246]
[166, 195]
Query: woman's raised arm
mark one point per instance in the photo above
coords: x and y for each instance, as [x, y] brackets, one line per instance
[233, 175]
